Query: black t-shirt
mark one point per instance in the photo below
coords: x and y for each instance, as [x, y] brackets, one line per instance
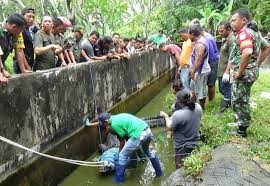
[28, 43]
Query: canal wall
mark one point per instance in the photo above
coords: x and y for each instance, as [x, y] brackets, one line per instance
[44, 111]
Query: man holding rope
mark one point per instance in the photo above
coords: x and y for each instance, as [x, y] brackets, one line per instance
[136, 130]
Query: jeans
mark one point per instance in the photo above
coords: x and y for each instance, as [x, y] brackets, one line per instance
[184, 76]
[225, 89]
[132, 145]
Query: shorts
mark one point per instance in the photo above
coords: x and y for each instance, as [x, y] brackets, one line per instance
[199, 86]
[212, 77]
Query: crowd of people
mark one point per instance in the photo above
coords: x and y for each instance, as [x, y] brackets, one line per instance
[199, 64]
[48, 45]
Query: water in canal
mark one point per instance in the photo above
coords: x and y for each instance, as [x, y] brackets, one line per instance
[144, 173]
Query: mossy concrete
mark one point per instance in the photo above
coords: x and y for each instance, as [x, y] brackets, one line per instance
[44, 111]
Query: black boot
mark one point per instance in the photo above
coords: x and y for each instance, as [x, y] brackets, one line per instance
[242, 131]
[224, 105]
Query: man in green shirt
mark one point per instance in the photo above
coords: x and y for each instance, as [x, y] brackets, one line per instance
[45, 46]
[136, 130]
[158, 38]
[224, 79]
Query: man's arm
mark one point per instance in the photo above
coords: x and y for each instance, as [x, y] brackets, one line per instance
[85, 56]
[265, 51]
[200, 51]
[167, 119]
[244, 61]
[23, 65]
[177, 57]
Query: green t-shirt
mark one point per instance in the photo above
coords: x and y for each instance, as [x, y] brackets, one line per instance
[127, 125]
[47, 59]
[158, 39]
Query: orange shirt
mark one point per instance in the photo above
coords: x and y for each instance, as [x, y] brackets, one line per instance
[186, 53]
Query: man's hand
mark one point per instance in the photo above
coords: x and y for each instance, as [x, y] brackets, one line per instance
[225, 78]
[27, 71]
[3, 80]
[165, 115]
[63, 64]
[237, 75]
[5, 73]
[192, 74]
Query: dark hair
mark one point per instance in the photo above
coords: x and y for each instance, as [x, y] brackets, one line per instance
[243, 13]
[195, 21]
[226, 24]
[114, 34]
[94, 33]
[177, 85]
[183, 30]
[126, 40]
[107, 39]
[27, 10]
[184, 99]
[57, 22]
[252, 25]
[196, 30]
[162, 45]
[16, 19]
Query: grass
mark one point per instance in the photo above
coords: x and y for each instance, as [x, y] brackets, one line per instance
[216, 132]
[9, 64]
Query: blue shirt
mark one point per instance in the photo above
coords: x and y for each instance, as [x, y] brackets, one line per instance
[213, 51]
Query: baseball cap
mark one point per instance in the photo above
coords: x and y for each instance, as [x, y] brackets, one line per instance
[78, 29]
[102, 118]
[65, 21]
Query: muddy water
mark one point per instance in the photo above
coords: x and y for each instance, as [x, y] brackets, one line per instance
[144, 173]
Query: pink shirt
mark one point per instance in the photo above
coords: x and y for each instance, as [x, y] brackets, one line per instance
[173, 49]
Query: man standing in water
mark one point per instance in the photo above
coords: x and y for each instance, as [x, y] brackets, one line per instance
[136, 130]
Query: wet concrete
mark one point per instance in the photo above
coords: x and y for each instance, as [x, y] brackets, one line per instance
[227, 168]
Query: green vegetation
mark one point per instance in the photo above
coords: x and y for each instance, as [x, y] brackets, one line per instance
[140, 17]
[9, 64]
[216, 132]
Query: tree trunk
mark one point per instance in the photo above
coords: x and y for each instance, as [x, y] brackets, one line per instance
[42, 12]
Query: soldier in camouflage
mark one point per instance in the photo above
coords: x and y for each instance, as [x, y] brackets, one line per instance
[248, 52]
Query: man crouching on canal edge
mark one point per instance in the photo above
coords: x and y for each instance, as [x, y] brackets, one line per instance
[138, 133]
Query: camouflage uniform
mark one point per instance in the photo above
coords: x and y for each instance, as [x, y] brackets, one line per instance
[9, 42]
[246, 38]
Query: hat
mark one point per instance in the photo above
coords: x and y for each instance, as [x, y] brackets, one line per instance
[102, 118]
[65, 21]
[78, 29]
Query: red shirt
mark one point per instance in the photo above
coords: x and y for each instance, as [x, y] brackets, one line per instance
[173, 49]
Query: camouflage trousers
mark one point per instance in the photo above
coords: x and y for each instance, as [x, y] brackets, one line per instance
[240, 102]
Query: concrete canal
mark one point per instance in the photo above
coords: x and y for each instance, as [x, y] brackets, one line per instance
[143, 174]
